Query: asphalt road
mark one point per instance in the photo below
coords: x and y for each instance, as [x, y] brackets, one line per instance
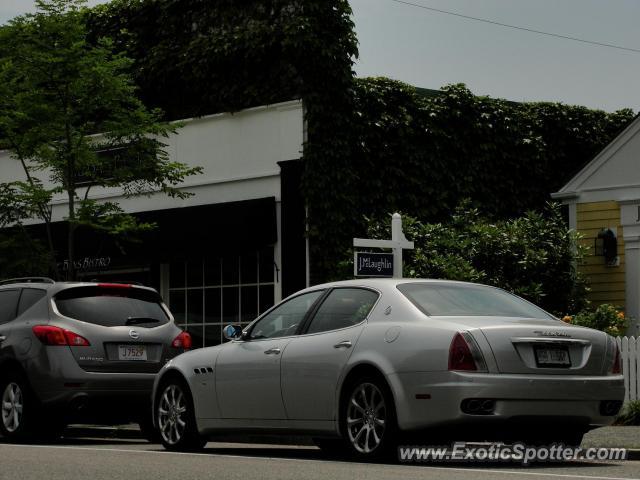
[97, 459]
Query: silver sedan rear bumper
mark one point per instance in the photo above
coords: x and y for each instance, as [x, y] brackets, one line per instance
[432, 399]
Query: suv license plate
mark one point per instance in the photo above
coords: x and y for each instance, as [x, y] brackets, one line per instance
[552, 357]
[132, 352]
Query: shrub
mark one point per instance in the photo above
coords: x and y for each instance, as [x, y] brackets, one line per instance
[533, 256]
[605, 317]
[630, 414]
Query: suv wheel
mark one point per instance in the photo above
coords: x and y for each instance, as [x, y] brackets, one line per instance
[15, 408]
[175, 418]
[369, 419]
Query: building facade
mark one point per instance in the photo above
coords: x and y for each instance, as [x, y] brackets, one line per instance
[604, 206]
[229, 251]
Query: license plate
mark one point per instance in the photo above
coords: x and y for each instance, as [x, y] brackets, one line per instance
[132, 352]
[552, 357]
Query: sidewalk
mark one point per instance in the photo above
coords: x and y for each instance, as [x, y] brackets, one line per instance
[625, 437]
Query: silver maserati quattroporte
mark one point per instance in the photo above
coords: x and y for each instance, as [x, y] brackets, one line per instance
[358, 364]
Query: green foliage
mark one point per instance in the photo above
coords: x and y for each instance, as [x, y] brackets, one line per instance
[194, 57]
[605, 317]
[532, 256]
[22, 255]
[422, 154]
[20, 200]
[63, 101]
[374, 145]
[630, 414]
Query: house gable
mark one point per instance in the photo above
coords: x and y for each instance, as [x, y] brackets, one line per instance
[616, 166]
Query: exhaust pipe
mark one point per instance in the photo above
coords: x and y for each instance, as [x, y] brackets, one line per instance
[79, 403]
[478, 406]
[610, 408]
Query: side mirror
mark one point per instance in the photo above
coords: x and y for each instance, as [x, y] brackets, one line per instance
[232, 332]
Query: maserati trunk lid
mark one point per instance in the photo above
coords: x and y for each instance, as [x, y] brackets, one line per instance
[540, 346]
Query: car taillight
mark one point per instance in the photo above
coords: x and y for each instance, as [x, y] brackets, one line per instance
[464, 354]
[616, 367]
[182, 341]
[56, 336]
[75, 340]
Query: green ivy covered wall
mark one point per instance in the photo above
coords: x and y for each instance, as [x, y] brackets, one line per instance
[374, 145]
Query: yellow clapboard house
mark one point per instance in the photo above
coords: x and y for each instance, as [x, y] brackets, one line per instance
[604, 206]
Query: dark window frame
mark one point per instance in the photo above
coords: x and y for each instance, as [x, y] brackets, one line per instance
[15, 312]
[307, 324]
[323, 293]
[44, 295]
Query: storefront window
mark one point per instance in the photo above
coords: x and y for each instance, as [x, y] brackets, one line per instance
[206, 295]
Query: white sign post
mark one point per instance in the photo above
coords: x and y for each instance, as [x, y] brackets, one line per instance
[397, 243]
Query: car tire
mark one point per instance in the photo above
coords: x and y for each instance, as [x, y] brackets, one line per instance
[147, 430]
[368, 420]
[175, 418]
[332, 447]
[17, 409]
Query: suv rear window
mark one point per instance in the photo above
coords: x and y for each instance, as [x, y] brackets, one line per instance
[112, 307]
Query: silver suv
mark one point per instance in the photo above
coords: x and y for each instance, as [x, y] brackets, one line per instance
[80, 352]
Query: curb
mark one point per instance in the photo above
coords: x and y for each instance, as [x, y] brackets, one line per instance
[132, 432]
[125, 432]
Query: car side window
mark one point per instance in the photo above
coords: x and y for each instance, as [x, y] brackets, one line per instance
[29, 298]
[8, 305]
[343, 307]
[283, 320]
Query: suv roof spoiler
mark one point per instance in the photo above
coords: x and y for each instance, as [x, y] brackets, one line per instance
[9, 281]
[117, 282]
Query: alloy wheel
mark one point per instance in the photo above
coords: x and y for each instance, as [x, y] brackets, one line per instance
[172, 414]
[12, 407]
[366, 418]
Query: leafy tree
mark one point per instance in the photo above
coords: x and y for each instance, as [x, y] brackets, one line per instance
[534, 256]
[70, 115]
[194, 57]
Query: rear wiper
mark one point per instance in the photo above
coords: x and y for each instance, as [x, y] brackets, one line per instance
[139, 320]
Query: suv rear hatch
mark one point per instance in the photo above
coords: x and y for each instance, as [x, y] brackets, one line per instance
[127, 327]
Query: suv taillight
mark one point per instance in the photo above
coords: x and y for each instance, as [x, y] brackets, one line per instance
[182, 341]
[464, 354]
[56, 336]
[616, 367]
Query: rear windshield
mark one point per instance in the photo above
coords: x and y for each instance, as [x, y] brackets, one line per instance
[439, 299]
[112, 307]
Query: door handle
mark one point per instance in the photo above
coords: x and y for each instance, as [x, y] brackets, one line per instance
[343, 344]
[272, 351]
[2, 338]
